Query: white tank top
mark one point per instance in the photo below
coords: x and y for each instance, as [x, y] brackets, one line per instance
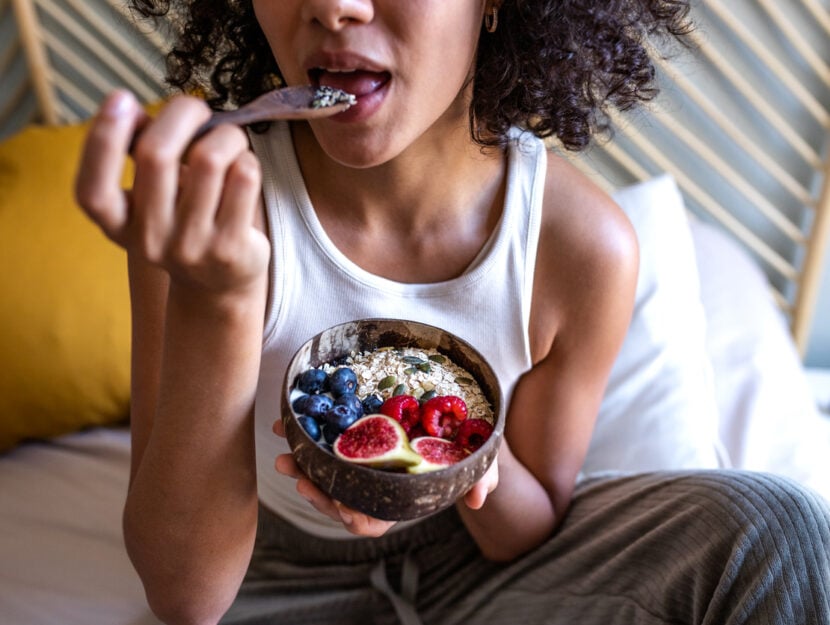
[314, 286]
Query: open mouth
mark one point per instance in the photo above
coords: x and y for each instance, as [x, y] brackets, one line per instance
[355, 81]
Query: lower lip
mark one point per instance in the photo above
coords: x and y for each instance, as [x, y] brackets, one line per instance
[366, 106]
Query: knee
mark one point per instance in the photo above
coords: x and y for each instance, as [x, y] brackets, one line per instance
[769, 510]
[763, 494]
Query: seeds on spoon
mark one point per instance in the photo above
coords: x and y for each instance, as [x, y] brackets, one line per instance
[325, 97]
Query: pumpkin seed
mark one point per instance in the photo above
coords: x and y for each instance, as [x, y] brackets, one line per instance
[388, 382]
[425, 367]
[427, 396]
[410, 370]
[463, 380]
[438, 358]
[413, 360]
[400, 389]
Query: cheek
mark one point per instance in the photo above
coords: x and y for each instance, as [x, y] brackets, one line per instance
[274, 24]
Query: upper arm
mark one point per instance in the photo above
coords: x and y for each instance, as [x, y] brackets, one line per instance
[583, 296]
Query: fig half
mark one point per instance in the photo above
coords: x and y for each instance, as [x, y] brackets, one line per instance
[376, 441]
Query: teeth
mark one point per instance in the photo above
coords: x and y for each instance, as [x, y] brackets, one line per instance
[338, 71]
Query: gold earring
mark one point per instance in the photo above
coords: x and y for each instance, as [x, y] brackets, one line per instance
[491, 19]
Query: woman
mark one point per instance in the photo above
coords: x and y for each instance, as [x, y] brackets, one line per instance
[433, 198]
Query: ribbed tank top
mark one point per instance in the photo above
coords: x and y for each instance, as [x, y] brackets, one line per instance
[315, 286]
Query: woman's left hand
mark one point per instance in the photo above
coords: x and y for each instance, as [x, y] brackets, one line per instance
[355, 522]
[477, 495]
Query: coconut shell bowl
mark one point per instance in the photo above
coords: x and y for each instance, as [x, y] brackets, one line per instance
[383, 494]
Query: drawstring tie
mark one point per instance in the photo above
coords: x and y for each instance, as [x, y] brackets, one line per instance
[404, 603]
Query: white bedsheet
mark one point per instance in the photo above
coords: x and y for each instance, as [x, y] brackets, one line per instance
[62, 556]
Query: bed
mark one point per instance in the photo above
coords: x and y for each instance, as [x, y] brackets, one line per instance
[726, 187]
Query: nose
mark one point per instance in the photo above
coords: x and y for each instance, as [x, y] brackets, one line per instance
[335, 15]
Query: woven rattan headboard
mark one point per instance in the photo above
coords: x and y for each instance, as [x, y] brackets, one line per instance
[742, 122]
[59, 57]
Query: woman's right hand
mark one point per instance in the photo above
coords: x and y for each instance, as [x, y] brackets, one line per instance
[192, 209]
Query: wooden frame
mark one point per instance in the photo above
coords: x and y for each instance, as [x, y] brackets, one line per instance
[740, 111]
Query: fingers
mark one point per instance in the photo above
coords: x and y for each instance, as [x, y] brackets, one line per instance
[192, 209]
[477, 495]
[285, 464]
[279, 428]
[356, 522]
[98, 180]
[362, 524]
[214, 210]
[157, 154]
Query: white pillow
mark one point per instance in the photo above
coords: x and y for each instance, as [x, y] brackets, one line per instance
[768, 418]
[659, 410]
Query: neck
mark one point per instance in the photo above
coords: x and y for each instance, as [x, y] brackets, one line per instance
[432, 180]
[439, 199]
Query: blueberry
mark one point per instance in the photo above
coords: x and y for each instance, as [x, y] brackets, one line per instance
[318, 405]
[340, 417]
[299, 404]
[342, 381]
[372, 404]
[311, 427]
[330, 434]
[312, 381]
[352, 401]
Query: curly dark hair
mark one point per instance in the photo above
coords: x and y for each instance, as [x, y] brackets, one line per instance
[552, 66]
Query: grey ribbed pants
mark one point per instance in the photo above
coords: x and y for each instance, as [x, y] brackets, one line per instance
[710, 547]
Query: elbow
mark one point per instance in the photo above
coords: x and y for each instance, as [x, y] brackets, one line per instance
[181, 602]
[505, 551]
[499, 555]
[174, 597]
[182, 611]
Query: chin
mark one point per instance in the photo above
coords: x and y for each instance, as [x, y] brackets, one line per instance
[360, 152]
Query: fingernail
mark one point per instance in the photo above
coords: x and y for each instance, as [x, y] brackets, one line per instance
[119, 103]
[347, 518]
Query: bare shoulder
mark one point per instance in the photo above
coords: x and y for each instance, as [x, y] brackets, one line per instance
[587, 260]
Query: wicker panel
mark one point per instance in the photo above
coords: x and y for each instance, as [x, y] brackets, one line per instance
[743, 124]
[61, 57]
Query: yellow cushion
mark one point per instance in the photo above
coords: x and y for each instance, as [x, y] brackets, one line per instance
[64, 300]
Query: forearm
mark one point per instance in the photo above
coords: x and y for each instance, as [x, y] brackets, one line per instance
[190, 515]
[516, 517]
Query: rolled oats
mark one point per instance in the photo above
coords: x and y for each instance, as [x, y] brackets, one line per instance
[389, 371]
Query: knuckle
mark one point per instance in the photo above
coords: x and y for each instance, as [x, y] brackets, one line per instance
[95, 202]
[154, 156]
[225, 252]
[246, 169]
[206, 160]
[198, 105]
[184, 252]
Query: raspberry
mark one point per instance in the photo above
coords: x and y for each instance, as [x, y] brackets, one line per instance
[404, 409]
[442, 416]
[473, 433]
